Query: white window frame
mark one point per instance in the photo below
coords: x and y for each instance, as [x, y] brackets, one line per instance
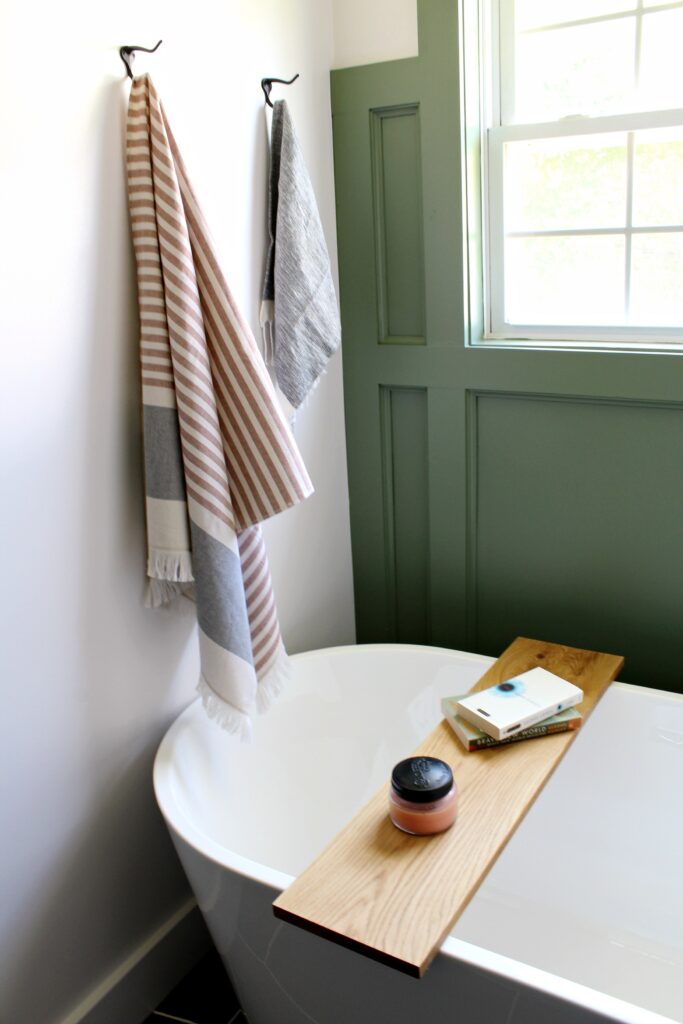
[496, 108]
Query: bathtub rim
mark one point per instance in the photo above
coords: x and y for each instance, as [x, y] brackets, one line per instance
[204, 843]
[553, 985]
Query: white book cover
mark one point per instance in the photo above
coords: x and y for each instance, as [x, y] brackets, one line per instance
[519, 702]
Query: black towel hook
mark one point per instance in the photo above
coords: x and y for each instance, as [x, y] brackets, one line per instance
[125, 52]
[267, 85]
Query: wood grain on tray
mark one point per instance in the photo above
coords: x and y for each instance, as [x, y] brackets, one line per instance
[395, 897]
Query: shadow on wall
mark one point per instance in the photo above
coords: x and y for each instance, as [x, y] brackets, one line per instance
[117, 878]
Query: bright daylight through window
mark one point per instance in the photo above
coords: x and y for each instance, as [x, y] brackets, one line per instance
[584, 170]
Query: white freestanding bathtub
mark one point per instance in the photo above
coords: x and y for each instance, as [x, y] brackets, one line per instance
[580, 920]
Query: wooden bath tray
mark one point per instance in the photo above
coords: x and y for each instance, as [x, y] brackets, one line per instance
[395, 897]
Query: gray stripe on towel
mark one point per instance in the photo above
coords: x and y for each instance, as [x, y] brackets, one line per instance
[219, 591]
[164, 476]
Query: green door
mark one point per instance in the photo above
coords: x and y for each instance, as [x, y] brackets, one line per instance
[495, 492]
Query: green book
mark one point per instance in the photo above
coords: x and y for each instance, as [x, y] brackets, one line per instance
[473, 738]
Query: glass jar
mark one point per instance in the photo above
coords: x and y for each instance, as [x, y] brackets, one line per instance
[423, 798]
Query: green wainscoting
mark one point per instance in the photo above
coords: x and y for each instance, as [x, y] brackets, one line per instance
[405, 493]
[397, 216]
[494, 491]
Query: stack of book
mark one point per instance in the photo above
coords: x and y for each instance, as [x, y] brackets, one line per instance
[473, 738]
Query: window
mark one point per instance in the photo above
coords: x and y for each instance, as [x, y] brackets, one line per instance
[583, 170]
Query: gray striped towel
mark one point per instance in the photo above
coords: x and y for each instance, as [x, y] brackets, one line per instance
[299, 312]
[219, 455]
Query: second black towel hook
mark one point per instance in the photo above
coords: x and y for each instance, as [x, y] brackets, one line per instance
[126, 52]
[267, 85]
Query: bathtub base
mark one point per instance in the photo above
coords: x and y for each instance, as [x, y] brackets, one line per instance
[284, 975]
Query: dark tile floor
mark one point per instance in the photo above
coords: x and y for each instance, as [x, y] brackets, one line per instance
[204, 996]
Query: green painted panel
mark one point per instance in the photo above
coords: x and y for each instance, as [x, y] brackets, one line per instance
[443, 468]
[397, 206]
[406, 510]
[576, 528]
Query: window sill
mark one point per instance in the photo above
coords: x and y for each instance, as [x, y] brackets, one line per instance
[631, 344]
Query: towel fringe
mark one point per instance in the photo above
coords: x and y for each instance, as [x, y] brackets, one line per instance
[225, 715]
[161, 592]
[172, 566]
[231, 718]
[267, 321]
[272, 684]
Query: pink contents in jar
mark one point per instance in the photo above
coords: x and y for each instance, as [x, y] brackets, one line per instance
[423, 798]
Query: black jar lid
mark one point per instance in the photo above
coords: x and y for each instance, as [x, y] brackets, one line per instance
[421, 779]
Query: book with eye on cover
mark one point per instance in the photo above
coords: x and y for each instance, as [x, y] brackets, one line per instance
[473, 738]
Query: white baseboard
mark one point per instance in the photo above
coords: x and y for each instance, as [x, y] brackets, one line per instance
[142, 980]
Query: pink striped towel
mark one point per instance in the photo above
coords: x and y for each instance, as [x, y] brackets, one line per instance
[219, 455]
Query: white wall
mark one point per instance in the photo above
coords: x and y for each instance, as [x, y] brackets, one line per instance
[365, 33]
[90, 679]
